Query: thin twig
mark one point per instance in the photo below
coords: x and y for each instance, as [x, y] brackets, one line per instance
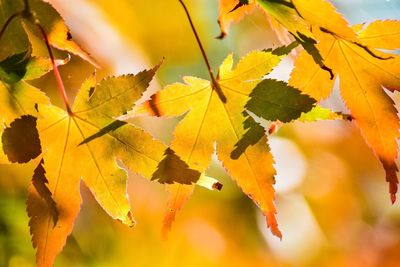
[216, 86]
[29, 15]
[55, 69]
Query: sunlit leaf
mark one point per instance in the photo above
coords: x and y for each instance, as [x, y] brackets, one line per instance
[210, 119]
[383, 34]
[319, 113]
[20, 98]
[69, 156]
[363, 73]
[232, 11]
[28, 14]
[275, 100]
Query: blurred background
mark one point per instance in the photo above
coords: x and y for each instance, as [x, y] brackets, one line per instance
[332, 198]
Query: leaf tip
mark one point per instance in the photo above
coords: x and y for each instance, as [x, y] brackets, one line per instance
[221, 36]
[273, 224]
[169, 218]
[393, 198]
[131, 221]
[391, 177]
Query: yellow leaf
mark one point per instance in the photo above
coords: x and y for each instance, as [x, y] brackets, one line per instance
[281, 32]
[211, 120]
[288, 17]
[383, 34]
[18, 96]
[57, 31]
[311, 78]
[28, 14]
[230, 12]
[323, 14]
[19, 99]
[85, 144]
[178, 195]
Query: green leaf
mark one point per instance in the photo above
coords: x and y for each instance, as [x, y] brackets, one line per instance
[24, 67]
[275, 100]
[14, 68]
[14, 39]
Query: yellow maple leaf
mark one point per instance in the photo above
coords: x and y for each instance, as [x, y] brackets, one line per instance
[19, 16]
[214, 117]
[85, 144]
[323, 14]
[230, 11]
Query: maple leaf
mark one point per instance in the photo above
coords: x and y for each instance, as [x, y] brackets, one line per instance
[19, 16]
[297, 16]
[323, 14]
[338, 49]
[85, 144]
[284, 18]
[364, 72]
[233, 11]
[274, 101]
[210, 118]
[283, 109]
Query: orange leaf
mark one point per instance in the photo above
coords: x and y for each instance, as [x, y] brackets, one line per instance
[364, 72]
[230, 12]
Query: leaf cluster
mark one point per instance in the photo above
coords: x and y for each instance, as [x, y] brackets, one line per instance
[88, 141]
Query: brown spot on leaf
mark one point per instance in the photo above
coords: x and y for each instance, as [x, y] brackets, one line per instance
[21, 140]
[152, 105]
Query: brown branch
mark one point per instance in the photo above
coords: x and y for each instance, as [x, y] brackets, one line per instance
[55, 69]
[214, 81]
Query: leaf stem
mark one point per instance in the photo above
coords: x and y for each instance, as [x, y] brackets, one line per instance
[55, 69]
[29, 15]
[214, 81]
